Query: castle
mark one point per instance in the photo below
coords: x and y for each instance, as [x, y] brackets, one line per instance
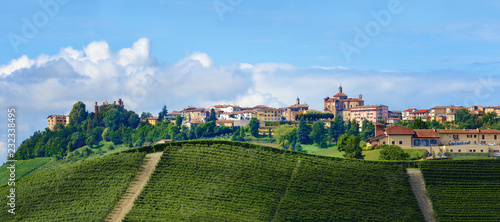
[96, 107]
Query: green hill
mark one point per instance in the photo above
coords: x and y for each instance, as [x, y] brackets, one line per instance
[85, 191]
[230, 181]
[23, 168]
[464, 190]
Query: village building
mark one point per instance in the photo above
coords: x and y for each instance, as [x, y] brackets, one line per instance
[53, 120]
[370, 113]
[293, 111]
[340, 104]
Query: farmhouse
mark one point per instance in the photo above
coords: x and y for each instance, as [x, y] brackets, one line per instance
[455, 140]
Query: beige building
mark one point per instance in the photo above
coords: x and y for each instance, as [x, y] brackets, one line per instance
[437, 111]
[269, 114]
[370, 113]
[494, 109]
[340, 104]
[293, 111]
[53, 120]
[473, 140]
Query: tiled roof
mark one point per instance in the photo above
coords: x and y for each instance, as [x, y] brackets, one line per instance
[299, 106]
[422, 111]
[376, 138]
[352, 100]
[340, 95]
[469, 131]
[439, 107]
[427, 133]
[224, 121]
[399, 130]
[409, 110]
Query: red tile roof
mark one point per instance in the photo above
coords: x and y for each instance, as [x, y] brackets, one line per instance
[409, 110]
[399, 130]
[426, 133]
[469, 131]
[340, 95]
[422, 111]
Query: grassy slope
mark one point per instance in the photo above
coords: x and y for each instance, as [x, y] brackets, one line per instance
[232, 183]
[464, 190]
[22, 167]
[85, 191]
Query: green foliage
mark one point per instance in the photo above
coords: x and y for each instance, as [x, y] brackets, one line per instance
[233, 181]
[367, 130]
[353, 129]
[318, 134]
[303, 131]
[315, 116]
[254, 127]
[352, 148]
[85, 191]
[145, 115]
[285, 136]
[238, 135]
[463, 190]
[342, 142]
[419, 124]
[178, 120]
[78, 114]
[163, 113]
[337, 128]
[392, 152]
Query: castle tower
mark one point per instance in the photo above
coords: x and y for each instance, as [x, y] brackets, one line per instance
[340, 88]
[96, 108]
[298, 100]
[120, 102]
[360, 96]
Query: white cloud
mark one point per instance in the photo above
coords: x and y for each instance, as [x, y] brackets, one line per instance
[16, 64]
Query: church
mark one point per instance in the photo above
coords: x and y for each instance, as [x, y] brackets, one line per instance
[340, 104]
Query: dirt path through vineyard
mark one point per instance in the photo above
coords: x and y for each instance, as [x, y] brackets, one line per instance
[424, 202]
[141, 179]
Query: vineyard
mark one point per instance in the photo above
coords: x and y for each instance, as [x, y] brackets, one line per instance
[230, 181]
[23, 168]
[464, 190]
[85, 191]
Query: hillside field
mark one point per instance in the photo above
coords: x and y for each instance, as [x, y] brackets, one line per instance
[464, 190]
[230, 181]
[84, 191]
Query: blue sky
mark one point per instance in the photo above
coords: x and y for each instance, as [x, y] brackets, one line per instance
[244, 52]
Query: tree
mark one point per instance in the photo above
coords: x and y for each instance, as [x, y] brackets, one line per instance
[392, 152]
[490, 118]
[78, 114]
[303, 131]
[462, 116]
[352, 148]
[163, 113]
[213, 116]
[354, 128]
[178, 120]
[105, 135]
[419, 124]
[342, 142]
[237, 135]
[145, 115]
[318, 134]
[285, 136]
[112, 119]
[337, 128]
[254, 127]
[367, 130]
[133, 120]
[173, 130]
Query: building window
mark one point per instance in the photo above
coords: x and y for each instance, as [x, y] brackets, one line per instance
[400, 142]
[459, 151]
[455, 137]
[475, 136]
[482, 137]
[434, 142]
[425, 142]
[495, 136]
[451, 150]
[481, 151]
[393, 142]
[416, 142]
[383, 143]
